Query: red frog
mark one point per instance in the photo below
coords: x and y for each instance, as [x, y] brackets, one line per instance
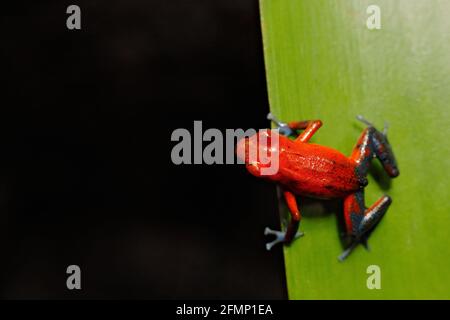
[316, 171]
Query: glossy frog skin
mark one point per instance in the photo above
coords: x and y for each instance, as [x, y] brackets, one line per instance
[316, 171]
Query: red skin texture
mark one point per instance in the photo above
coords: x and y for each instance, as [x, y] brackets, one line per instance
[315, 171]
[311, 170]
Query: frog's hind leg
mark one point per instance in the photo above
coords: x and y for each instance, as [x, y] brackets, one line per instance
[373, 143]
[359, 221]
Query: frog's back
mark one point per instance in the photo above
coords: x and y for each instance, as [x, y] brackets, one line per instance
[317, 171]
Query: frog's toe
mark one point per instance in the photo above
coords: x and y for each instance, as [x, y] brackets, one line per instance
[279, 237]
[364, 120]
[299, 234]
[283, 128]
[355, 242]
[274, 119]
[386, 128]
[344, 255]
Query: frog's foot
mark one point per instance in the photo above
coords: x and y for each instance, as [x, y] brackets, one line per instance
[283, 127]
[373, 143]
[353, 245]
[347, 251]
[280, 237]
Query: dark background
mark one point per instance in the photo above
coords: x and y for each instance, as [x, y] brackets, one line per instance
[86, 176]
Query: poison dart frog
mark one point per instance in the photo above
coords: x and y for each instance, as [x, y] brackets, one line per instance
[316, 171]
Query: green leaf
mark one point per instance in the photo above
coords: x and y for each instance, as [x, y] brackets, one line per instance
[323, 62]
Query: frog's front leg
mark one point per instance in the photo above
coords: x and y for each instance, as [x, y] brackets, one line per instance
[360, 221]
[309, 127]
[291, 231]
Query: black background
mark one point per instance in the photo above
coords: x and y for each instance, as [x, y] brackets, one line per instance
[86, 176]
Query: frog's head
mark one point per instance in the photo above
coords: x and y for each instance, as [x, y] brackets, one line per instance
[260, 153]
